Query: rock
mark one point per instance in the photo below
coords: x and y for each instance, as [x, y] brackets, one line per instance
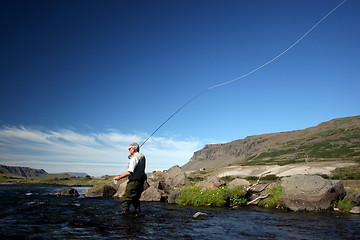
[303, 192]
[238, 182]
[355, 210]
[102, 191]
[354, 197]
[121, 190]
[212, 183]
[259, 187]
[174, 178]
[256, 200]
[68, 192]
[152, 194]
[199, 215]
[154, 179]
[173, 197]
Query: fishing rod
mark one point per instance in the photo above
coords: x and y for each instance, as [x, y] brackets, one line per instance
[247, 74]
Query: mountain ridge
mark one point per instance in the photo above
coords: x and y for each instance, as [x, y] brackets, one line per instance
[22, 171]
[337, 139]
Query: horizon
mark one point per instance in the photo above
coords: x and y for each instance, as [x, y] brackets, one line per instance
[83, 80]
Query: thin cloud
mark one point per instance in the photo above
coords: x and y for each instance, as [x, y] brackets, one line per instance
[66, 150]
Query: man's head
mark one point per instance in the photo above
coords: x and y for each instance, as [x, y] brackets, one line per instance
[134, 146]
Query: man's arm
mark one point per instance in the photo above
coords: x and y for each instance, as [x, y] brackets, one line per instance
[124, 175]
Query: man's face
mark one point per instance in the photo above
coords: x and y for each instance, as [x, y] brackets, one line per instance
[132, 151]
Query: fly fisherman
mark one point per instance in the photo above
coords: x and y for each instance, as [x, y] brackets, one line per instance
[136, 175]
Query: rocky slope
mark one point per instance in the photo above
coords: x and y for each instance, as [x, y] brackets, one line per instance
[22, 171]
[335, 140]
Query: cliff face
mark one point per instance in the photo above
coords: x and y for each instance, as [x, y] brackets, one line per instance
[22, 171]
[338, 139]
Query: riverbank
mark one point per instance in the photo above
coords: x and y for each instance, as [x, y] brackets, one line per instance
[213, 187]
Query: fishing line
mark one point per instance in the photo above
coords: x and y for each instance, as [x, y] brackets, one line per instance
[247, 74]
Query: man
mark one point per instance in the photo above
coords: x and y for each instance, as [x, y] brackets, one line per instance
[136, 175]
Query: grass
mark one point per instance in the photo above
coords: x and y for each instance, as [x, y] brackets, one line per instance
[221, 197]
[274, 200]
[344, 205]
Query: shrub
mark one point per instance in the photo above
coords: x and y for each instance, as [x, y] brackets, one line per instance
[270, 177]
[345, 205]
[195, 179]
[325, 176]
[252, 178]
[227, 178]
[274, 200]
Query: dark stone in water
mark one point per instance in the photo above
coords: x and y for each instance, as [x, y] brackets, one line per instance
[200, 215]
[68, 192]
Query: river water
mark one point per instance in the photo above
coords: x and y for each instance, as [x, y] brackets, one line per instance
[30, 212]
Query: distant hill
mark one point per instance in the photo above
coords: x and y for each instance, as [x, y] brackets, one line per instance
[335, 140]
[22, 171]
[76, 174]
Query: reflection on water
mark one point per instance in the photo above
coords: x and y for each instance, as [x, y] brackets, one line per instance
[29, 212]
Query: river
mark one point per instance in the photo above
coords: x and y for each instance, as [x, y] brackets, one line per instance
[30, 212]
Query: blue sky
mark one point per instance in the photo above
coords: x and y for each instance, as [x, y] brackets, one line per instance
[80, 80]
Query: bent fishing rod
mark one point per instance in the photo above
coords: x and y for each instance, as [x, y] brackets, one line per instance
[245, 75]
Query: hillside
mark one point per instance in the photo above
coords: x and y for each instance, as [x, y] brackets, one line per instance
[335, 140]
[21, 171]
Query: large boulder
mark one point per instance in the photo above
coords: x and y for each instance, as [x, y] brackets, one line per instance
[100, 191]
[238, 182]
[154, 179]
[67, 192]
[212, 183]
[153, 194]
[304, 192]
[174, 178]
[120, 190]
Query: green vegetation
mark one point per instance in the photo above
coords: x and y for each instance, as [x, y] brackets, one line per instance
[345, 173]
[274, 200]
[223, 196]
[270, 177]
[237, 196]
[199, 175]
[196, 179]
[227, 178]
[344, 205]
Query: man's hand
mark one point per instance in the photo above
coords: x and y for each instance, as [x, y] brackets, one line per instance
[117, 178]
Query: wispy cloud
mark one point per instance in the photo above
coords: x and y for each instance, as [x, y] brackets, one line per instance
[97, 154]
